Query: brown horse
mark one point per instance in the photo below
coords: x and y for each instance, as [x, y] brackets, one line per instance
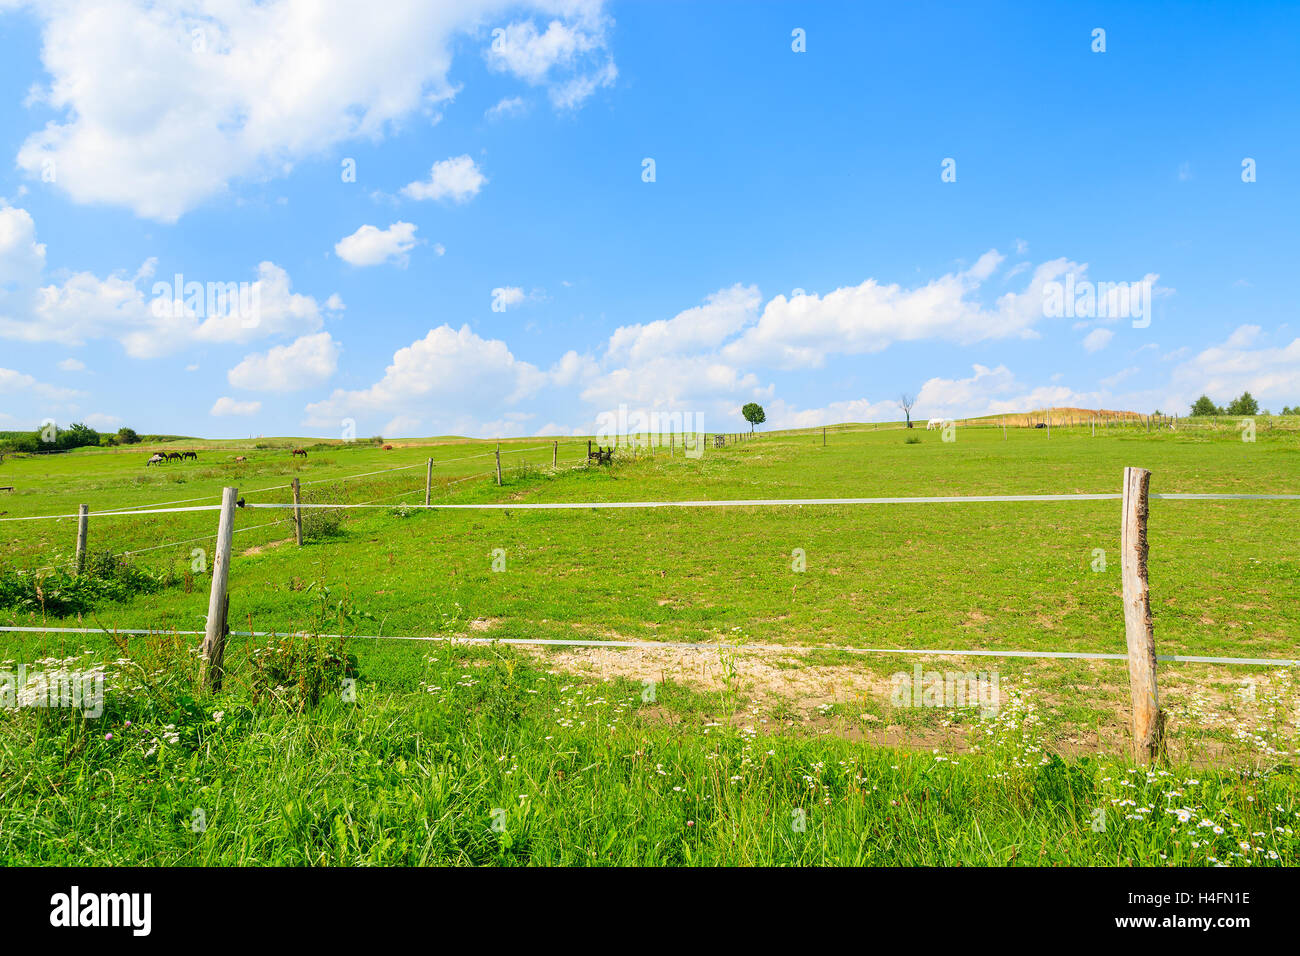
[298, 451]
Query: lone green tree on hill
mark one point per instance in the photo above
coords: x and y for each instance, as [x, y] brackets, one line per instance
[754, 414]
[1203, 406]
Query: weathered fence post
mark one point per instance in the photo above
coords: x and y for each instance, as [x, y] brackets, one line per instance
[498, 463]
[83, 531]
[428, 481]
[297, 513]
[823, 436]
[1148, 721]
[213, 650]
[555, 453]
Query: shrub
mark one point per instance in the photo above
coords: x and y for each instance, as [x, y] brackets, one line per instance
[107, 577]
[298, 670]
[320, 523]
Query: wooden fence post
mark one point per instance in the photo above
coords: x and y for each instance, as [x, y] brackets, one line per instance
[498, 463]
[83, 531]
[555, 453]
[823, 436]
[297, 513]
[213, 650]
[1148, 721]
[428, 481]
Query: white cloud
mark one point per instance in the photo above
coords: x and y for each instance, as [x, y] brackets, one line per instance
[1226, 370]
[452, 379]
[72, 365]
[569, 58]
[506, 107]
[85, 306]
[707, 326]
[1125, 373]
[14, 382]
[101, 422]
[21, 256]
[780, 415]
[990, 391]
[1097, 339]
[228, 406]
[801, 331]
[307, 362]
[458, 179]
[507, 297]
[372, 246]
[572, 93]
[159, 118]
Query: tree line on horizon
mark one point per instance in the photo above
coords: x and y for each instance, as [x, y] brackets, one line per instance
[76, 435]
[1243, 404]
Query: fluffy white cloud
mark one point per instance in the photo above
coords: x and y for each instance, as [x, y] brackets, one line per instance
[167, 319]
[707, 326]
[163, 104]
[781, 415]
[1097, 339]
[458, 179]
[229, 406]
[1226, 370]
[444, 383]
[13, 382]
[72, 365]
[990, 391]
[801, 331]
[22, 258]
[568, 57]
[371, 246]
[307, 362]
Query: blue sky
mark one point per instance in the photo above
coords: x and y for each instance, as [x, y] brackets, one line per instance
[499, 159]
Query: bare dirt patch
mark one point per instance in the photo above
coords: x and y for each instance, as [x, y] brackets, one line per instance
[259, 548]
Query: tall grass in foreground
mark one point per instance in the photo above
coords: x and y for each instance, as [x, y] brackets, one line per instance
[475, 755]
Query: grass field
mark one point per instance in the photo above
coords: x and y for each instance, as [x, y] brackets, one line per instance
[786, 746]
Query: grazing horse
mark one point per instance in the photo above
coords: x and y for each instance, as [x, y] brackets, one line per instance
[388, 448]
[173, 456]
[155, 459]
[241, 458]
[298, 451]
[934, 423]
[190, 455]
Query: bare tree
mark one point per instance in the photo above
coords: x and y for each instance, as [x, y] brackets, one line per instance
[906, 402]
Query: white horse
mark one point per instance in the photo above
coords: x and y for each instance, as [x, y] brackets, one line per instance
[933, 424]
[155, 460]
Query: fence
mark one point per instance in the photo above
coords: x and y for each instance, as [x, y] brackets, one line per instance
[1135, 496]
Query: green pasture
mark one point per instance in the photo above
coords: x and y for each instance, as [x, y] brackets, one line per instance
[502, 754]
